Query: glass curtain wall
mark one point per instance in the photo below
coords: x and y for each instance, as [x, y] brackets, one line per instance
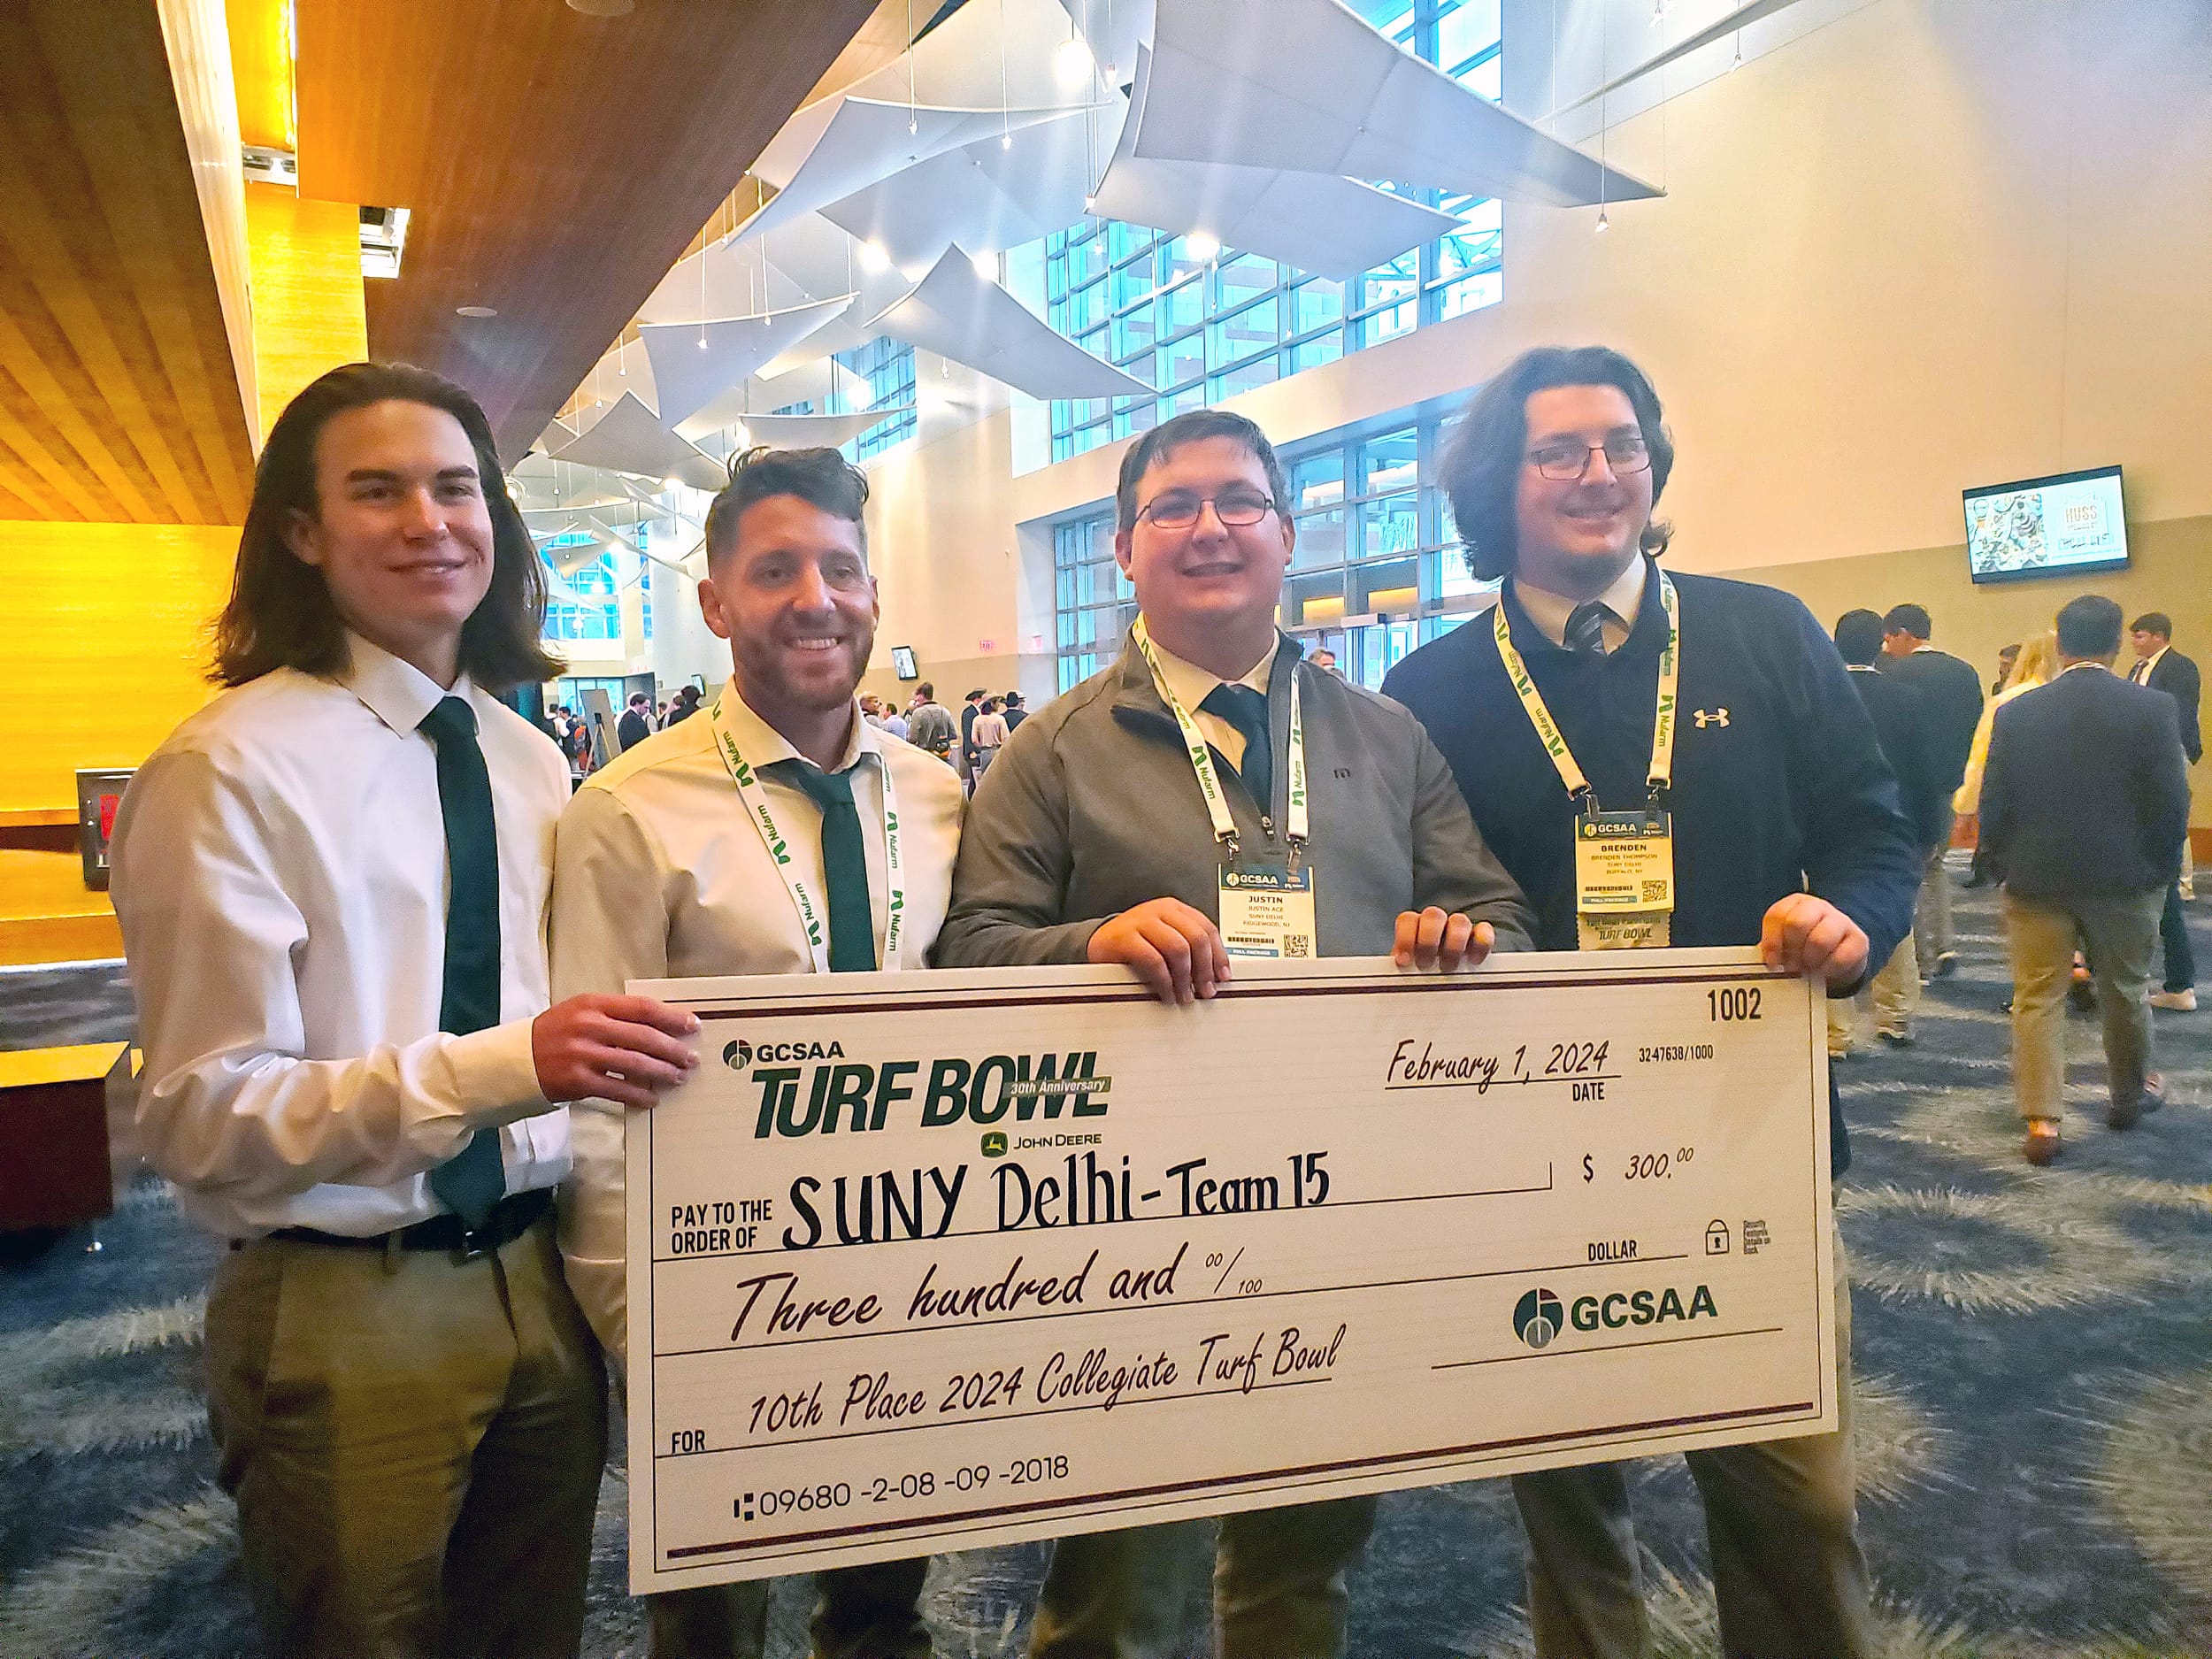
[888, 365]
[584, 604]
[1200, 330]
[1377, 570]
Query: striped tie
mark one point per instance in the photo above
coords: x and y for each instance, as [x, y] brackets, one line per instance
[1586, 630]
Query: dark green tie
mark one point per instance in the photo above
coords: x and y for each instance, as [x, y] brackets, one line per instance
[471, 1180]
[852, 924]
[1246, 708]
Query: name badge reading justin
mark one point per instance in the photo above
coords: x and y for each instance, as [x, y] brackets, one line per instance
[1267, 910]
[1624, 878]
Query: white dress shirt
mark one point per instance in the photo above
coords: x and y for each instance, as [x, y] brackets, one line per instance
[279, 874]
[1622, 600]
[659, 872]
[2143, 665]
[1192, 685]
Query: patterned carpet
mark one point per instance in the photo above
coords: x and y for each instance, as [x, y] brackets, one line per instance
[2034, 1355]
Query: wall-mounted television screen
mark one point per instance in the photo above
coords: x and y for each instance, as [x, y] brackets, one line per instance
[902, 663]
[2068, 525]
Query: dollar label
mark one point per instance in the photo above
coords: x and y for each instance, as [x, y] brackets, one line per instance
[1588, 1173]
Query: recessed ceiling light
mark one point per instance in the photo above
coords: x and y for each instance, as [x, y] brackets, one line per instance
[474, 311]
[985, 266]
[874, 257]
[603, 8]
[1203, 245]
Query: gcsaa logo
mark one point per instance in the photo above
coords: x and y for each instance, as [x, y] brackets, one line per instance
[1537, 1318]
[738, 1055]
[995, 1143]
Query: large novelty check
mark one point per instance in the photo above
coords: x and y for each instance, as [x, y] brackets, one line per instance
[926, 1261]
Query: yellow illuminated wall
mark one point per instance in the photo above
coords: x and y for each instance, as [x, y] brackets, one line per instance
[103, 643]
[308, 314]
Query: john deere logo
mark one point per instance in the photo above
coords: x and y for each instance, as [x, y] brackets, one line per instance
[738, 1055]
[995, 1143]
[1537, 1318]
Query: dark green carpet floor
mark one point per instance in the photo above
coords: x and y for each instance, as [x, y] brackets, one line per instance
[2034, 1353]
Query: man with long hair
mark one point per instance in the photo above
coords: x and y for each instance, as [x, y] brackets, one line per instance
[1761, 813]
[332, 883]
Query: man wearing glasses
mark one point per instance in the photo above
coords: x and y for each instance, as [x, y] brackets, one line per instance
[1127, 822]
[1770, 818]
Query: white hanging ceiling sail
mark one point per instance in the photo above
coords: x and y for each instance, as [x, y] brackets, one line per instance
[810, 384]
[1113, 30]
[688, 378]
[628, 439]
[1221, 87]
[988, 195]
[956, 314]
[985, 55]
[1332, 227]
[829, 150]
[811, 432]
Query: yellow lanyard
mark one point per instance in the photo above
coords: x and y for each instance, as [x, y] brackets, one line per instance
[1202, 758]
[1547, 729]
[812, 917]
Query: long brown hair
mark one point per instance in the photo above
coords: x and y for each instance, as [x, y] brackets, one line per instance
[281, 614]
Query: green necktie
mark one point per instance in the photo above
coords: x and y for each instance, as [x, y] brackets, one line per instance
[852, 924]
[1246, 708]
[473, 1180]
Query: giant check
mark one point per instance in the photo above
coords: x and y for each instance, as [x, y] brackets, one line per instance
[927, 1261]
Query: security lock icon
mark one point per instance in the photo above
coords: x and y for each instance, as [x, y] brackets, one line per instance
[1717, 1239]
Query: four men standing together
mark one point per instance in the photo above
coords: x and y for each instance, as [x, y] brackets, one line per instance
[340, 951]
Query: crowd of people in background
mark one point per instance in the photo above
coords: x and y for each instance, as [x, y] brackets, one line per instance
[2071, 781]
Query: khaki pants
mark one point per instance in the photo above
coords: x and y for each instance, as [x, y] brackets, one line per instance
[1279, 1585]
[862, 1613]
[415, 1444]
[2122, 936]
[1894, 993]
[1782, 1520]
[1932, 918]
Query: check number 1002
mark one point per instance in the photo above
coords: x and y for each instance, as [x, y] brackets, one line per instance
[1733, 1003]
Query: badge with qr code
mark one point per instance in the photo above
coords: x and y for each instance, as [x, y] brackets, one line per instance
[1624, 878]
[1267, 910]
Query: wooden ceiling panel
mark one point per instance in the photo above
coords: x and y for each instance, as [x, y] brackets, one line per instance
[555, 164]
[119, 395]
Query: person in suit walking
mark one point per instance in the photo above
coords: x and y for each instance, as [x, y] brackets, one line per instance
[634, 727]
[1953, 692]
[2162, 668]
[1899, 712]
[2084, 808]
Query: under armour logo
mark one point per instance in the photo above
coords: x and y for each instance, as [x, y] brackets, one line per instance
[1718, 717]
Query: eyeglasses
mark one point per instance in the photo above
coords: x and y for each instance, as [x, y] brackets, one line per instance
[1178, 508]
[1625, 452]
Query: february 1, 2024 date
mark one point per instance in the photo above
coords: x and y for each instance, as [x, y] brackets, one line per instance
[838, 1494]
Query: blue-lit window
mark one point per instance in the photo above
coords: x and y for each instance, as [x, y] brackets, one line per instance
[1199, 332]
[582, 604]
[1377, 570]
[888, 365]
[1092, 601]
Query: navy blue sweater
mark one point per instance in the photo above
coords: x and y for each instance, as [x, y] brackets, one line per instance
[1780, 786]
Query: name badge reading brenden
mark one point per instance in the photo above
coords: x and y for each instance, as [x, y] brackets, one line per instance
[1624, 878]
[1267, 910]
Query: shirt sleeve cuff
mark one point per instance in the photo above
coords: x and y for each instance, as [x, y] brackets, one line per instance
[495, 1076]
